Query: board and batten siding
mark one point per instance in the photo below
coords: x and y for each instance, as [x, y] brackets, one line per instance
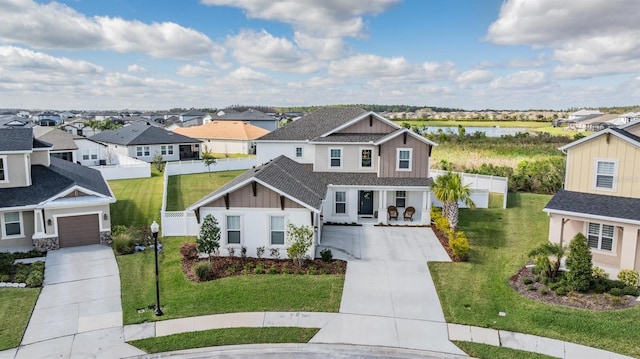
[581, 166]
[368, 126]
[243, 198]
[419, 159]
[351, 158]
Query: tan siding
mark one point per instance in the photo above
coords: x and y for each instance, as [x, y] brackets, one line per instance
[243, 198]
[76, 193]
[15, 167]
[582, 160]
[350, 158]
[419, 163]
[362, 126]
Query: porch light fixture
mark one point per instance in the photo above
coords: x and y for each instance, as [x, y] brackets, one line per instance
[49, 223]
[154, 231]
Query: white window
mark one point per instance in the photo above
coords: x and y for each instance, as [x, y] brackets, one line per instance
[277, 230]
[170, 149]
[341, 202]
[90, 154]
[600, 236]
[401, 199]
[298, 152]
[163, 150]
[404, 159]
[166, 150]
[335, 157]
[365, 158]
[146, 150]
[605, 173]
[233, 230]
[3, 169]
[12, 225]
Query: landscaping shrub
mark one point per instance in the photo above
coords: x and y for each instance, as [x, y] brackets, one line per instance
[259, 252]
[326, 255]
[561, 291]
[202, 270]
[629, 277]
[631, 291]
[4, 277]
[232, 251]
[527, 281]
[300, 239]
[259, 269]
[117, 229]
[273, 269]
[35, 278]
[6, 262]
[547, 258]
[442, 224]
[579, 264]
[599, 273]
[274, 252]
[208, 240]
[616, 292]
[460, 245]
[531, 287]
[544, 291]
[243, 252]
[189, 251]
[124, 242]
[22, 272]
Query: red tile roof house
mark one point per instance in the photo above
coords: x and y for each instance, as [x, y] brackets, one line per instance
[340, 165]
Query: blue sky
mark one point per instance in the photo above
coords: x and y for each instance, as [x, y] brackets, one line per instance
[470, 54]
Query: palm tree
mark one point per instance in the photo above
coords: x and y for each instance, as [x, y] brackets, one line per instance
[449, 190]
[549, 257]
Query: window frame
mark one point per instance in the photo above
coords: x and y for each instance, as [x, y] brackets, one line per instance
[343, 202]
[613, 176]
[89, 154]
[139, 151]
[272, 231]
[403, 197]
[4, 225]
[408, 160]
[600, 236]
[299, 152]
[4, 169]
[163, 150]
[227, 230]
[339, 158]
[147, 151]
[362, 150]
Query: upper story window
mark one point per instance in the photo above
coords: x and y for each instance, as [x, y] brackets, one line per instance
[600, 236]
[605, 174]
[335, 157]
[3, 169]
[404, 159]
[298, 152]
[166, 150]
[365, 158]
[142, 151]
[12, 225]
[341, 202]
[233, 230]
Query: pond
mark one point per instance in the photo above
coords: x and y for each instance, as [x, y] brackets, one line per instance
[489, 131]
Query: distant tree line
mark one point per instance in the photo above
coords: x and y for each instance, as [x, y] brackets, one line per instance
[371, 107]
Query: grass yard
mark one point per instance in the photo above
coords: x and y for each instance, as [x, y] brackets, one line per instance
[483, 351]
[138, 201]
[185, 190]
[231, 336]
[473, 293]
[247, 293]
[532, 126]
[16, 305]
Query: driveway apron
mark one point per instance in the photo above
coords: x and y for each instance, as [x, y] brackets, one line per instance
[389, 298]
[79, 310]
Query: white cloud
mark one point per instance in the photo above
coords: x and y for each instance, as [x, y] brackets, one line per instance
[136, 68]
[520, 80]
[315, 82]
[322, 47]
[472, 77]
[25, 59]
[390, 68]
[56, 26]
[245, 74]
[261, 49]
[194, 71]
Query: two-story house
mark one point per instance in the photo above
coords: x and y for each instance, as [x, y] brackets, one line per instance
[601, 197]
[47, 202]
[340, 165]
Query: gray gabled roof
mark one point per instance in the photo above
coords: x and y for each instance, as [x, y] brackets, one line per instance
[595, 205]
[193, 113]
[248, 115]
[47, 182]
[314, 124]
[285, 175]
[60, 140]
[141, 134]
[16, 139]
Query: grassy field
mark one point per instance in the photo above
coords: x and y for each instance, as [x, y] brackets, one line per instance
[185, 190]
[531, 126]
[483, 351]
[475, 292]
[16, 305]
[248, 293]
[231, 336]
[138, 200]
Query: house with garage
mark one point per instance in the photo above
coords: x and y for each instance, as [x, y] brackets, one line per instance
[601, 197]
[73, 148]
[47, 202]
[143, 141]
[225, 136]
[338, 165]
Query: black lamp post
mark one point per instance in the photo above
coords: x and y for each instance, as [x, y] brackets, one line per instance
[154, 230]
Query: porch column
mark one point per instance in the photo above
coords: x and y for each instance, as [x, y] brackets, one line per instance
[382, 207]
[629, 247]
[426, 208]
[38, 223]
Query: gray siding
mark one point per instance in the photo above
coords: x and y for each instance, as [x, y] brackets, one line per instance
[419, 161]
[244, 198]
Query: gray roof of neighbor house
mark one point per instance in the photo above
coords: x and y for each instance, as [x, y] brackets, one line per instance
[314, 124]
[193, 113]
[141, 134]
[60, 140]
[285, 175]
[248, 115]
[47, 182]
[16, 139]
[595, 204]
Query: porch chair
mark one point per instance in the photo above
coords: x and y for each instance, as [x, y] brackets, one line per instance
[408, 213]
[392, 211]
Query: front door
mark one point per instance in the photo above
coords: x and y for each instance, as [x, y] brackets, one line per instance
[366, 203]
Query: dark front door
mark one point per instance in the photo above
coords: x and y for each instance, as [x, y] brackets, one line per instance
[366, 203]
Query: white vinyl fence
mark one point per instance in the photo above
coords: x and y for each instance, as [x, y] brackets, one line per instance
[125, 167]
[481, 183]
[185, 223]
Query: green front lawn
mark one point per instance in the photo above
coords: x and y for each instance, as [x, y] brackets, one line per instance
[16, 305]
[138, 201]
[247, 293]
[185, 190]
[473, 293]
[231, 336]
[483, 351]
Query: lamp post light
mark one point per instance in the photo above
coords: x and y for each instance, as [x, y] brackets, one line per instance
[154, 230]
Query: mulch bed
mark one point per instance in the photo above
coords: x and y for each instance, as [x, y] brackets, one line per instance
[445, 243]
[573, 299]
[222, 267]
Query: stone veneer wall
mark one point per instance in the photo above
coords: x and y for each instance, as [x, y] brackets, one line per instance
[46, 244]
[105, 237]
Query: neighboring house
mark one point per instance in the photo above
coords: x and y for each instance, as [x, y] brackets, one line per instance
[225, 136]
[336, 165]
[48, 119]
[71, 147]
[254, 117]
[143, 141]
[583, 114]
[596, 123]
[601, 197]
[190, 115]
[46, 202]
[101, 116]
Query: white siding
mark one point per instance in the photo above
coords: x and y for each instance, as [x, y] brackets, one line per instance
[132, 152]
[89, 146]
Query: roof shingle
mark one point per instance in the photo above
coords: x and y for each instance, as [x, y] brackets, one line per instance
[141, 134]
[595, 204]
[314, 124]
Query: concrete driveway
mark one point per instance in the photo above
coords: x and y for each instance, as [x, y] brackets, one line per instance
[79, 312]
[389, 298]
